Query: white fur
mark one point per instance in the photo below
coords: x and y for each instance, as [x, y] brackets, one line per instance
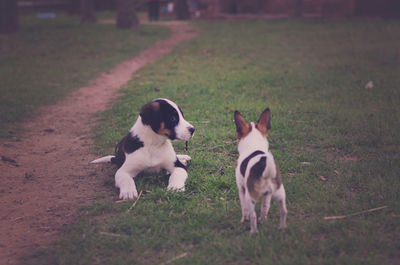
[104, 159]
[177, 180]
[157, 153]
[184, 159]
[254, 141]
[247, 145]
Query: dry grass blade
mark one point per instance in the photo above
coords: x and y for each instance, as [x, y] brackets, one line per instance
[133, 205]
[184, 254]
[353, 214]
[112, 234]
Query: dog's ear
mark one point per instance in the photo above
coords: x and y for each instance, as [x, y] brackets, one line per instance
[242, 127]
[264, 122]
[148, 112]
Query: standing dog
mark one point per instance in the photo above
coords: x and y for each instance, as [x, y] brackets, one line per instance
[256, 172]
[147, 147]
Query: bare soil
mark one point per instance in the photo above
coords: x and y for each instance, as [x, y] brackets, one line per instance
[45, 175]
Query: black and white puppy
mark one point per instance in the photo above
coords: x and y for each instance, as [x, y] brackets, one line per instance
[147, 147]
[257, 174]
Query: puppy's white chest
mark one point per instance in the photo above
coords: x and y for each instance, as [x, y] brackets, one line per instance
[158, 156]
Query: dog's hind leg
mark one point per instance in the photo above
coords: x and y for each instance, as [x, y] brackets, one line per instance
[245, 212]
[253, 217]
[126, 185]
[280, 195]
[265, 205]
[250, 206]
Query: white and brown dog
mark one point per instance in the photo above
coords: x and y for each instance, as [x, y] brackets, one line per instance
[147, 147]
[256, 172]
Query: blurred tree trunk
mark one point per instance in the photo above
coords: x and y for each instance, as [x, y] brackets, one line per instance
[249, 6]
[88, 13]
[298, 8]
[181, 9]
[74, 6]
[228, 6]
[126, 14]
[8, 16]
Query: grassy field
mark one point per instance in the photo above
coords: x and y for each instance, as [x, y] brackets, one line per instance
[48, 58]
[337, 144]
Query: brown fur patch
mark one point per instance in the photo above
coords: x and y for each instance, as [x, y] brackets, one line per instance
[337, 156]
[264, 122]
[256, 182]
[242, 127]
[164, 131]
[277, 180]
[150, 108]
[261, 129]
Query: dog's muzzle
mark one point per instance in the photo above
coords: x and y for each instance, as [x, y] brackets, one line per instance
[191, 130]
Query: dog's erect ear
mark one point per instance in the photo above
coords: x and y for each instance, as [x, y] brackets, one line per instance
[264, 122]
[242, 127]
[148, 112]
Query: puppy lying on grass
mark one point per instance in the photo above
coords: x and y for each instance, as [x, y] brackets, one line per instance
[147, 147]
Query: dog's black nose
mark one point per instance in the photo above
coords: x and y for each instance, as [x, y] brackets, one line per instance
[191, 130]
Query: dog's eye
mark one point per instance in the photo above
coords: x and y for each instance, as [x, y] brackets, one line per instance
[173, 119]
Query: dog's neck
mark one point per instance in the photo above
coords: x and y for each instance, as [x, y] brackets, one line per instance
[146, 134]
[252, 142]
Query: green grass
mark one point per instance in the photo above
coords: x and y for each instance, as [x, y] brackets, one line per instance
[48, 58]
[312, 75]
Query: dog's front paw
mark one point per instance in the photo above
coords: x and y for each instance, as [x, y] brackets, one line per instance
[177, 180]
[128, 192]
[126, 185]
[183, 159]
[176, 188]
[127, 195]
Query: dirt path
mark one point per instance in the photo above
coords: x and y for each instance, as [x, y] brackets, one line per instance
[45, 175]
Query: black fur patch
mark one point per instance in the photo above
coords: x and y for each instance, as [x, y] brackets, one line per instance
[129, 144]
[163, 113]
[256, 173]
[132, 143]
[179, 164]
[243, 165]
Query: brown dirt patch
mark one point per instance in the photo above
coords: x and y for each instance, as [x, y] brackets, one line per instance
[337, 155]
[45, 175]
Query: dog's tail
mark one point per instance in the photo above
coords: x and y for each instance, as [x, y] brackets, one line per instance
[104, 159]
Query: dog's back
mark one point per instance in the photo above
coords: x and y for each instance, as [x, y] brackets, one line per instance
[259, 173]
